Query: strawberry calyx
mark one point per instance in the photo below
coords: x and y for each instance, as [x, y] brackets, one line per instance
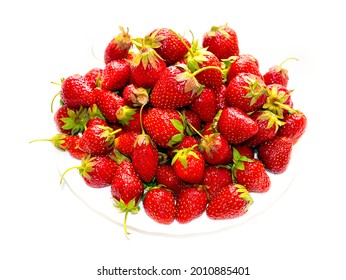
[255, 89]
[146, 55]
[123, 40]
[218, 29]
[271, 118]
[87, 166]
[109, 134]
[276, 102]
[76, 120]
[125, 114]
[182, 155]
[140, 96]
[95, 112]
[58, 140]
[131, 207]
[177, 138]
[244, 194]
[238, 162]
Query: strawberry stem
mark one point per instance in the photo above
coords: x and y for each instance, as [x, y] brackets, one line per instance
[195, 130]
[67, 170]
[52, 103]
[206, 68]
[290, 58]
[125, 219]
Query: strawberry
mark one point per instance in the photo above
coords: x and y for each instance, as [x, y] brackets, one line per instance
[247, 92]
[135, 96]
[187, 142]
[294, 126]
[93, 77]
[215, 178]
[164, 126]
[277, 74]
[146, 68]
[96, 171]
[189, 165]
[127, 190]
[70, 121]
[168, 45]
[236, 126]
[250, 173]
[74, 149]
[166, 176]
[175, 88]
[109, 103]
[96, 121]
[145, 157]
[268, 126]
[76, 92]
[276, 154]
[215, 149]
[243, 63]
[191, 204]
[118, 47]
[159, 204]
[115, 75]
[231, 202]
[97, 140]
[205, 105]
[221, 41]
[125, 142]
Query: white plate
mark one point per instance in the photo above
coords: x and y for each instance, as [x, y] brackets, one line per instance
[100, 201]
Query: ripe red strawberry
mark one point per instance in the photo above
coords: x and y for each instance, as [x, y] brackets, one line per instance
[96, 121]
[159, 204]
[145, 157]
[221, 41]
[168, 45]
[76, 92]
[294, 126]
[93, 77]
[268, 126]
[166, 176]
[276, 154]
[277, 74]
[231, 202]
[74, 149]
[216, 178]
[243, 63]
[164, 126]
[189, 165]
[127, 189]
[70, 121]
[191, 204]
[215, 149]
[125, 142]
[174, 89]
[108, 102]
[205, 105]
[118, 47]
[135, 96]
[97, 172]
[247, 92]
[115, 75]
[250, 173]
[146, 68]
[236, 126]
[97, 140]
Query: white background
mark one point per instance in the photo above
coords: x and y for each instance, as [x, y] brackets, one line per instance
[47, 234]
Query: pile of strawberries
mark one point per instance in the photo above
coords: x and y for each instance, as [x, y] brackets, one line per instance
[180, 127]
